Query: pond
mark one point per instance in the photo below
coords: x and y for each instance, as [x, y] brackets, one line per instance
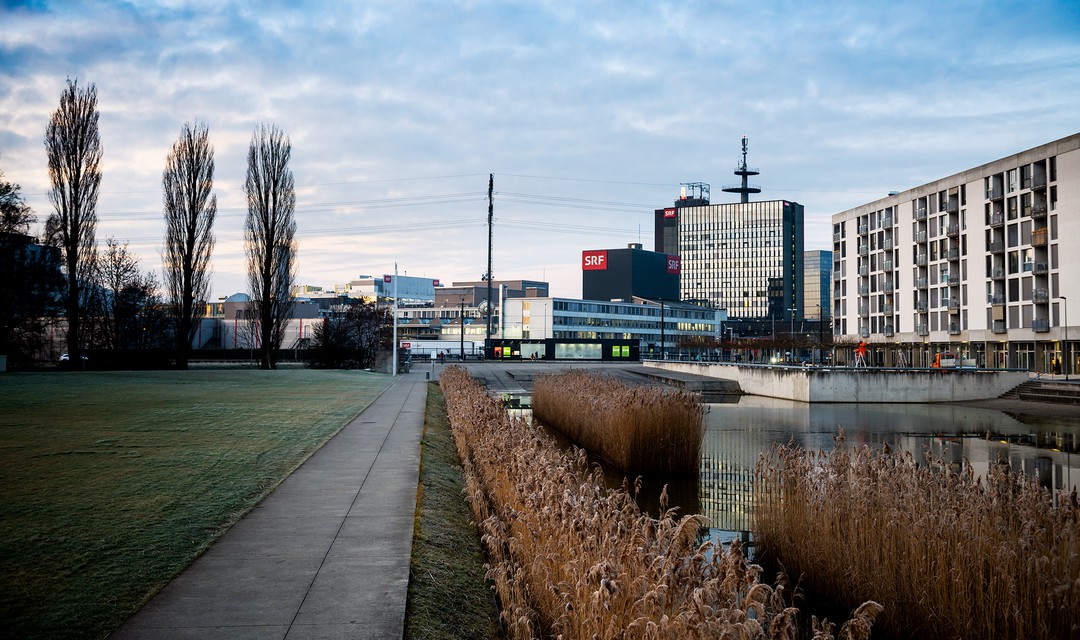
[737, 433]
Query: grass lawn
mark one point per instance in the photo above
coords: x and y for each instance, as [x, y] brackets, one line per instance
[448, 597]
[113, 482]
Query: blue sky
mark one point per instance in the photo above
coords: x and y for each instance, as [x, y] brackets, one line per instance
[589, 114]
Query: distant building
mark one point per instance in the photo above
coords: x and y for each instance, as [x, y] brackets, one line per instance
[623, 274]
[745, 257]
[817, 274]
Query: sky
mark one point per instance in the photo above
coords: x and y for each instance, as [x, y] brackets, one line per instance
[589, 114]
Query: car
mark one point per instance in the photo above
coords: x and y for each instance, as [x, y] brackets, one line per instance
[67, 358]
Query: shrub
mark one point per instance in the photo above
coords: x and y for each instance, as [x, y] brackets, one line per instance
[638, 429]
[948, 554]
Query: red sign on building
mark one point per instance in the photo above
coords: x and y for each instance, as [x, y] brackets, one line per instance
[387, 278]
[674, 264]
[435, 282]
[594, 260]
[670, 212]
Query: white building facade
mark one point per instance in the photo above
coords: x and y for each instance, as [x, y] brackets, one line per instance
[981, 263]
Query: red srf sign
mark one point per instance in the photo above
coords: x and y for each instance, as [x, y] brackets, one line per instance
[674, 264]
[387, 278]
[593, 260]
[435, 282]
[670, 212]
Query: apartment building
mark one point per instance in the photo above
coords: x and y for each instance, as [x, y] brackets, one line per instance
[980, 263]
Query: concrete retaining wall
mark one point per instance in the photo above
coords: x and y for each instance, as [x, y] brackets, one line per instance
[815, 384]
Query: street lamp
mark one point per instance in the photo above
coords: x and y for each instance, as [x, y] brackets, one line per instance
[1065, 347]
[462, 321]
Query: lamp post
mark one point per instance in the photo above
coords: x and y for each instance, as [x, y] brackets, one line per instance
[1065, 347]
[663, 355]
[461, 319]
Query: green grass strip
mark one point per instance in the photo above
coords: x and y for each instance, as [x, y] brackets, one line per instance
[114, 482]
[448, 597]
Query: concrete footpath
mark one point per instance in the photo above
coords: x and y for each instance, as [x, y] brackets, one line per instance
[325, 556]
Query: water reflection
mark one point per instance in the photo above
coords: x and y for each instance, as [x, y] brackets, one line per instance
[735, 435]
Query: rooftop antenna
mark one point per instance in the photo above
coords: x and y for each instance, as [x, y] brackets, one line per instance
[745, 189]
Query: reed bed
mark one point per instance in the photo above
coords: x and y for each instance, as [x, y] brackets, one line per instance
[638, 429]
[948, 554]
[568, 558]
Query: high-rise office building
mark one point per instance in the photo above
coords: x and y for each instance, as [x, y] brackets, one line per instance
[733, 255]
[817, 274]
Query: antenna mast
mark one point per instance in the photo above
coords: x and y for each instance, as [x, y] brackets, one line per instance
[744, 189]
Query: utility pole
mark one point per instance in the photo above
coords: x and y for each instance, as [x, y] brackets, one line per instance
[463, 329]
[491, 212]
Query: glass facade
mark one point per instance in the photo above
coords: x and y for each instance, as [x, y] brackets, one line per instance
[817, 270]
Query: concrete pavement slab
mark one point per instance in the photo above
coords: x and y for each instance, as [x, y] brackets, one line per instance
[326, 555]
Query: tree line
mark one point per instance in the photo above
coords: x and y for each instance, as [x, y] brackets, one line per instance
[105, 300]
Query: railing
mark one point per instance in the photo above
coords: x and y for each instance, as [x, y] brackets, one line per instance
[1041, 296]
[920, 260]
[996, 247]
[997, 274]
[864, 312]
[864, 331]
[952, 230]
[888, 287]
[887, 309]
[887, 245]
[922, 330]
[996, 300]
[920, 237]
[921, 283]
[864, 270]
[998, 326]
[887, 221]
[1038, 211]
[1040, 325]
[864, 290]
[952, 206]
[954, 328]
[997, 220]
[952, 255]
[887, 265]
[1038, 183]
[921, 306]
[920, 213]
[864, 229]
[954, 304]
[889, 331]
[836, 237]
[994, 193]
[1038, 237]
[1041, 269]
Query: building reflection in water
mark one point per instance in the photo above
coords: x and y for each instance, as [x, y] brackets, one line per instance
[737, 434]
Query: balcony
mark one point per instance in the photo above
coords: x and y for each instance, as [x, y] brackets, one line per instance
[864, 229]
[998, 326]
[1038, 237]
[1040, 296]
[864, 249]
[887, 309]
[887, 245]
[1040, 269]
[952, 206]
[889, 331]
[994, 193]
[921, 306]
[864, 331]
[996, 247]
[920, 237]
[1038, 212]
[887, 265]
[864, 312]
[997, 220]
[1040, 325]
[888, 287]
[996, 300]
[864, 270]
[953, 230]
[836, 275]
[954, 328]
[922, 329]
[836, 237]
[920, 213]
[997, 274]
[920, 260]
[887, 221]
[1038, 183]
[952, 255]
[921, 283]
[954, 304]
[864, 290]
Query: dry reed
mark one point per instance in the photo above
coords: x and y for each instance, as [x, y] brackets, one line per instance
[948, 554]
[571, 559]
[638, 429]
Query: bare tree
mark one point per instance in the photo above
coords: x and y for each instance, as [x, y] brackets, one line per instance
[190, 209]
[73, 147]
[268, 237]
[15, 215]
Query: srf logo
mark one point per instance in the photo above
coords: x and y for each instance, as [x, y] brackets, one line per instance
[593, 260]
[670, 212]
[674, 264]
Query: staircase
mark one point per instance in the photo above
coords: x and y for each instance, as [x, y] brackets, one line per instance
[1045, 391]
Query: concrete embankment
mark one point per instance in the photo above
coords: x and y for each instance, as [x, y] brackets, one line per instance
[819, 384]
